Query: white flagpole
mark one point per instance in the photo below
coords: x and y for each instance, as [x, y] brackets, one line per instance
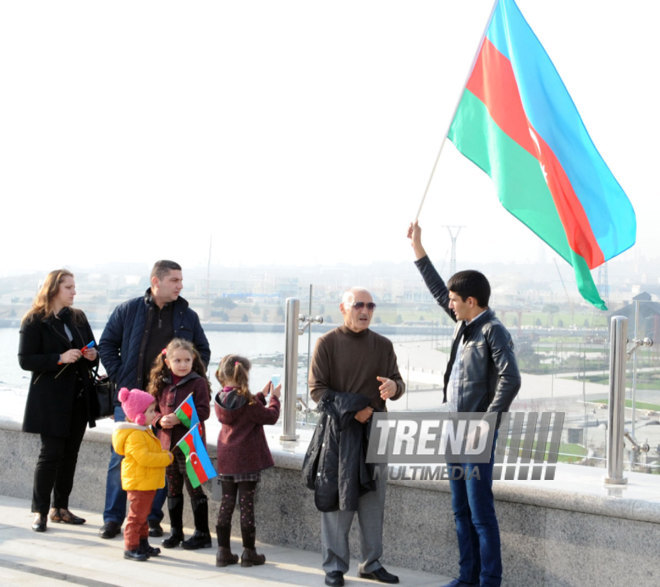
[183, 402]
[186, 435]
[444, 138]
[182, 438]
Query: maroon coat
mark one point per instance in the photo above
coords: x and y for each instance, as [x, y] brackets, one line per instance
[242, 446]
[170, 399]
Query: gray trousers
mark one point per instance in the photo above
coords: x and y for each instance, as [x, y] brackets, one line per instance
[335, 527]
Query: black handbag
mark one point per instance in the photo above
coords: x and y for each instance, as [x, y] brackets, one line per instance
[104, 390]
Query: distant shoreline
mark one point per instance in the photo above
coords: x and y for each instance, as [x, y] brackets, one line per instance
[428, 328]
[386, 329]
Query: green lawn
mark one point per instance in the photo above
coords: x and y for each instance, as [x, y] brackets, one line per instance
[568, 453]
[628, 404]
[571, 453]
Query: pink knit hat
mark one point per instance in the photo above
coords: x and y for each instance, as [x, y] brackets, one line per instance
[135, 402]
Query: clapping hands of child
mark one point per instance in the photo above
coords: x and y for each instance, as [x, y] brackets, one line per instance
[268, 388]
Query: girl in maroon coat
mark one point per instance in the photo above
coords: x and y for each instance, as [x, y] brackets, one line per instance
[242, 453]
[177, 372]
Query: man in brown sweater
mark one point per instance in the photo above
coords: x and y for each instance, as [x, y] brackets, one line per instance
[352, 359]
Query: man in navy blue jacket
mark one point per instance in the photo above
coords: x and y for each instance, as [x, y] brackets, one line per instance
[136, 332]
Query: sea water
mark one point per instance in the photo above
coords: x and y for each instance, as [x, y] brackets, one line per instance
[265, 349]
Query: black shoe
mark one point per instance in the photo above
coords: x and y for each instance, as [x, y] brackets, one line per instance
[135, 555]
[174, 539]
[146, 548]
[198, 540]
[39, 523]
[335, 578]
[380, 575]
[109, 530]
[458, 583]
[155, 529]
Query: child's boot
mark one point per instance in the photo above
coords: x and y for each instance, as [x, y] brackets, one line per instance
[146, 548]
[201, 537]
[224, 556]
[175, 507]
[250, 557]
[135, 555]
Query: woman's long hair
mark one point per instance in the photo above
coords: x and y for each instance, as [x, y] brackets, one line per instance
[43, 301]
[235, 370]
[161, 376]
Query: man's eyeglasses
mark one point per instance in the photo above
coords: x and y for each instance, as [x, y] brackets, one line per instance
[360, 305]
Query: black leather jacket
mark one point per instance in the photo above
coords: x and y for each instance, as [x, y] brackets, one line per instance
[334, 465]
[490, 379]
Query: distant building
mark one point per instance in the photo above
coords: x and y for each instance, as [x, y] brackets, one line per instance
[649, 317]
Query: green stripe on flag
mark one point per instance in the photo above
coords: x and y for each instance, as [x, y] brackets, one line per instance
[183, 418]
[190, 470]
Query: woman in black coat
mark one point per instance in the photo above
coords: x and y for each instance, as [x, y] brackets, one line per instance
[53, 344]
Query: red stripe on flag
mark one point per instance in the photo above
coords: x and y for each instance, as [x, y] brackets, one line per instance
[199, 468]
[187, 409]
[188, 447]
[493, 82]
[189, 441]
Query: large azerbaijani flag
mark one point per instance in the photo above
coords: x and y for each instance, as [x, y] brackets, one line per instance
[518, 123]
[187, 413]
[198, 464]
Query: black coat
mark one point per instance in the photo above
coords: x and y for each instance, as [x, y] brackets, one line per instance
[334, 466]
[50, 401]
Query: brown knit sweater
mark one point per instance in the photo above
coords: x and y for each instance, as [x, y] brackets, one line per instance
[346, 361]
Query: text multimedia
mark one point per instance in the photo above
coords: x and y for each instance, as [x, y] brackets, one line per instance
[426, 473]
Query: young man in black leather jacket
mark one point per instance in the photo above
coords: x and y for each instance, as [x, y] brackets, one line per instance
[482, 376]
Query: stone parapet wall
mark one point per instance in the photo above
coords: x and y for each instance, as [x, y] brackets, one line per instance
[552, 535]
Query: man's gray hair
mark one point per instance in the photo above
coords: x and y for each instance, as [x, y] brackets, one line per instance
[349, 295]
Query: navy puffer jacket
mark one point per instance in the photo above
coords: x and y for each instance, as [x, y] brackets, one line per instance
[121, 345]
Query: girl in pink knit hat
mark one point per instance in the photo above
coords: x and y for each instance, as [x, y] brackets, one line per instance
[142, 469]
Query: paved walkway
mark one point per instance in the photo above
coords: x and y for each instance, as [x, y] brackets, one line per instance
[75, 554]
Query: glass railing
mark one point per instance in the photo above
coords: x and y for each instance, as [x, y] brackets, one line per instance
[564, 369]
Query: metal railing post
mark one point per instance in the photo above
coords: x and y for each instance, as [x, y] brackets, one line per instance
[290, 391]
[615, 427]
[633, 391]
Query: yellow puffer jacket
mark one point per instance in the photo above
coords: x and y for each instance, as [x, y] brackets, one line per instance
[143, 467]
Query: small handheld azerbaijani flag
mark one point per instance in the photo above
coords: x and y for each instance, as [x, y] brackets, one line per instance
[518, 123]
[198, 464]
[187, 413]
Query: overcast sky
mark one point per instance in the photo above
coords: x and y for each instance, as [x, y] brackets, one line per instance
[291, 132]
